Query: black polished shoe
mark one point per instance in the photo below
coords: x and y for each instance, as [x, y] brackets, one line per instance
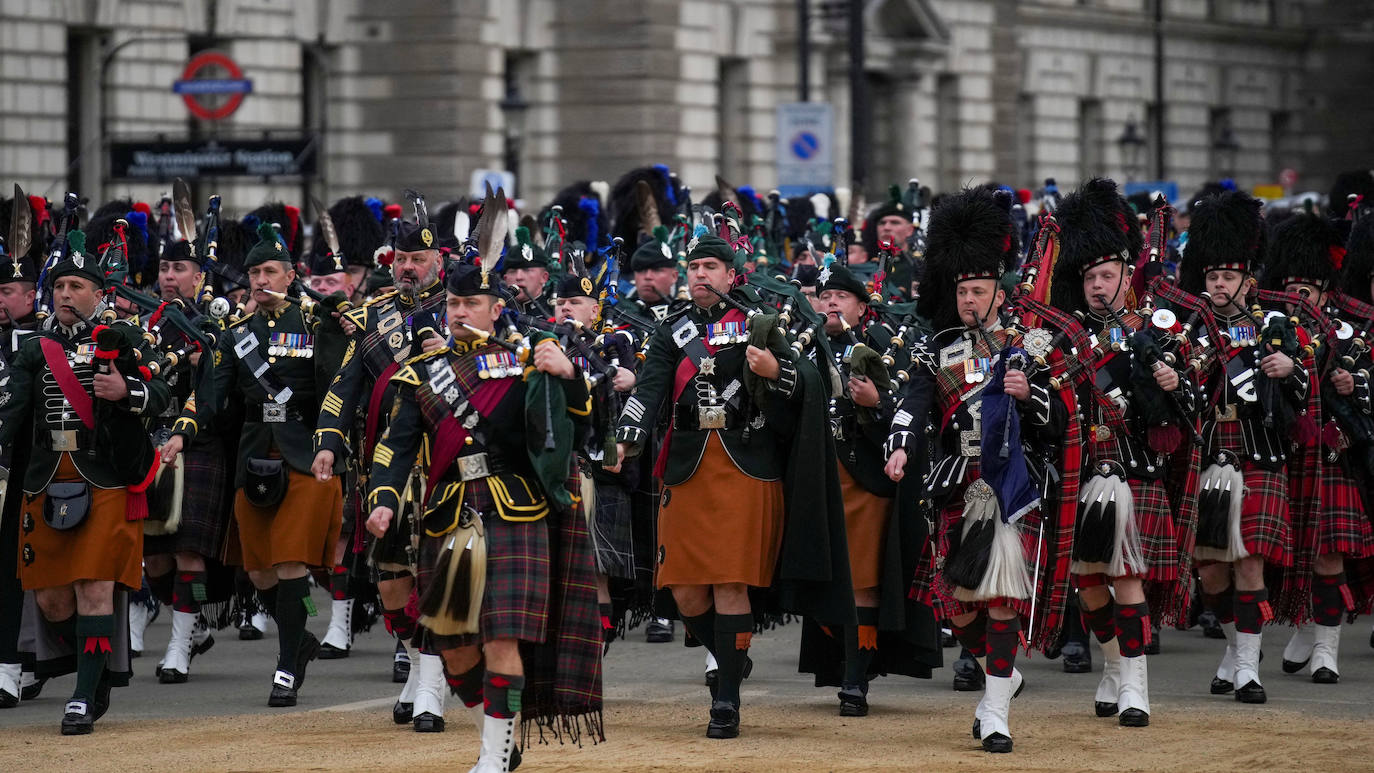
[1104, 709]
[28, 693]
[724, 720]
[658, 631]
[402, 713]
[1325, 675]
[853, 700]
[78, 720]
[283, 690]
[1134, 718]
[968, 675]
[429, 723]
[1077, 658]
[1221, 686]
[309, 650]
[1293, 666]
[8, 701]
[171, 676]
[997, 744]
[330, 652]
[1252, 692]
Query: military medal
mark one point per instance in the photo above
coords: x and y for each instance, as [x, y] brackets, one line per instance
[1117, 338]
[725, 333]
[1242, 335]
[291, 345]
[976, 368]
[84, 354]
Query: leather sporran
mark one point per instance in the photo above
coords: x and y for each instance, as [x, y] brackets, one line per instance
[67, 504]
[264, 482]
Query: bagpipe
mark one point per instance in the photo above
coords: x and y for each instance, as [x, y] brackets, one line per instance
[43, 299]
[1350, 351]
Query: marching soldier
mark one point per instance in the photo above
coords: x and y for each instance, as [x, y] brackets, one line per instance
[737, 411]
[1247, 523]
[189, 518]
[885, 543]
[497, 428]
[19, 257]
[390, 329]
[980, 480]
[1304, 260]
[526, 270]
[1131, 436]
[81, 539]
[655, 276]
[288, 521]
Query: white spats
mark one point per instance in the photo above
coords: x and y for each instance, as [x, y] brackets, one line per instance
[340, 633]
[498, 745]
[1110, 687]
[1326, 643]
[430, 686]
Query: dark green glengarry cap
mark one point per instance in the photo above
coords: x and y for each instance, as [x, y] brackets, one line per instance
[466, 279]
[838, 277]
[709, 246]
[525, 254]
[78, 262]
[269, 247]
[654, 253]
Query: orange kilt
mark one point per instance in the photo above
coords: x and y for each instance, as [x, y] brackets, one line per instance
[106, 546]
[304, 528]
[721, 526]
[865, 526]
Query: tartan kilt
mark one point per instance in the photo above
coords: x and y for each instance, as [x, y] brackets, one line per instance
[1266, 527]
[1343, 526]
[933, 588]
[612, 532]
[205, 506]
[516, 602]
[1154, 519]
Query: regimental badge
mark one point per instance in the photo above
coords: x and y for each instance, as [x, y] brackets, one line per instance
[1102, 432]
[586, 285]
[708, 366]
[79, 259]
[824, 275]
[663, 248]
[527, 252]
[395, 340]
[278, 246]
[426, 237]
[1037, 341]
[692, 245]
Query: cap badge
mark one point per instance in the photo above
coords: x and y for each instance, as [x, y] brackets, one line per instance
[426, 237]
[527, 252]
[586, 285]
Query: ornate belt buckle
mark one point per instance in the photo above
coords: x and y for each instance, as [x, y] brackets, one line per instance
[1227, 414]
[63, 439]
[710, 417]
[473, 466]
[274, 413]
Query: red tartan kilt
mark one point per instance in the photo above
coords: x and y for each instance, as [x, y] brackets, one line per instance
[931, 586]
[1343, 526]
[1265, 523]
[1155, 520]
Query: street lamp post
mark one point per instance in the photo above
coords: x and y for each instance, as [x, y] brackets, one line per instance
[1224, 150]
[513, 109]
[1132, 145]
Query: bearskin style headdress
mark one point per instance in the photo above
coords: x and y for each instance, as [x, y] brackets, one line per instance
[360, 234]
[1226, 232]
[971, 236]
[635, 210]
[1358, 266]
[586, 218]
[284, 215]
[1305, 248]
[1096, 226]
[1357, 181]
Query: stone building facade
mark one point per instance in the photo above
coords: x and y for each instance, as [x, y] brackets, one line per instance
[420, 93]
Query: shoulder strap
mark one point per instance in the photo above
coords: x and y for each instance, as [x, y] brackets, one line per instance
[246, 347]
[56, 357]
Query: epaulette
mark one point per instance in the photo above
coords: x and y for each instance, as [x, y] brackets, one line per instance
[245, 319]
[380, 298]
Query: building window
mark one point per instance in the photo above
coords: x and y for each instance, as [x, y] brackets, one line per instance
[947, 131]
[1283, 146]
[733, 119]
[1090, 160]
